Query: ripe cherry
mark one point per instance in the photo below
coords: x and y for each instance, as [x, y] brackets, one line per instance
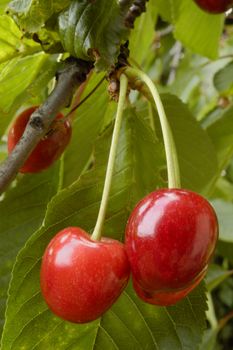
[170, 238]
[48, 149]
[214, 6]
[81, 278]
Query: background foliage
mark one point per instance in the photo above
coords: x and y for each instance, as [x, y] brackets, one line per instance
[189, 54]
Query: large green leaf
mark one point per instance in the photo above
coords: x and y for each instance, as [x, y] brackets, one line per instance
[94, 30]
[32, 14]
[30, 325]
[196, 154]
[22, 212]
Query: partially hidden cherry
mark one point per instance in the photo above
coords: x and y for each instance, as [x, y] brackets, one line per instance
[49, 149]
[214, 6]
[170, 239]
[82, 278]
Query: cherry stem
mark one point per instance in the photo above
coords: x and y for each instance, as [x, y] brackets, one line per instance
[169, 144]
[97, 233]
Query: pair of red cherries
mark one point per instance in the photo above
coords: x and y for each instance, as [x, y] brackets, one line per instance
[169, 240]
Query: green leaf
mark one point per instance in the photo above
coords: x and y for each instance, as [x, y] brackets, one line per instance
[31, 15]
[223, 79]
[224, 212]
[11, 42]
[215, 276]
[196, 154]
[94, 31]
[196, 29]
[22, 212]
[30, 325]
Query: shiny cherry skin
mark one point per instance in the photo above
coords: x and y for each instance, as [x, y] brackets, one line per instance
[214, 6]
[49, 149]
[82, 278]
[170, 239]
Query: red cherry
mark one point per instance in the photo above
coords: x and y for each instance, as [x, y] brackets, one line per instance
[170, 238]
[214, 6]
[82, 278]
[48, 149]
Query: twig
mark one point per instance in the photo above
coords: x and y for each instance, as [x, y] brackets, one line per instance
[71, 76]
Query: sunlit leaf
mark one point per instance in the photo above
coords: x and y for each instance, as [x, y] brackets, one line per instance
[22, 212]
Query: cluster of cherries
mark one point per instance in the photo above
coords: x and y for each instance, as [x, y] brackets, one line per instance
[169, 240]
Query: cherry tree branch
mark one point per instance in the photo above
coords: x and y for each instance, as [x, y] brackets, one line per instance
[72, 74]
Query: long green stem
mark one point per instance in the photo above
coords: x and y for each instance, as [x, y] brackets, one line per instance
[96, 235]
[170, 148]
